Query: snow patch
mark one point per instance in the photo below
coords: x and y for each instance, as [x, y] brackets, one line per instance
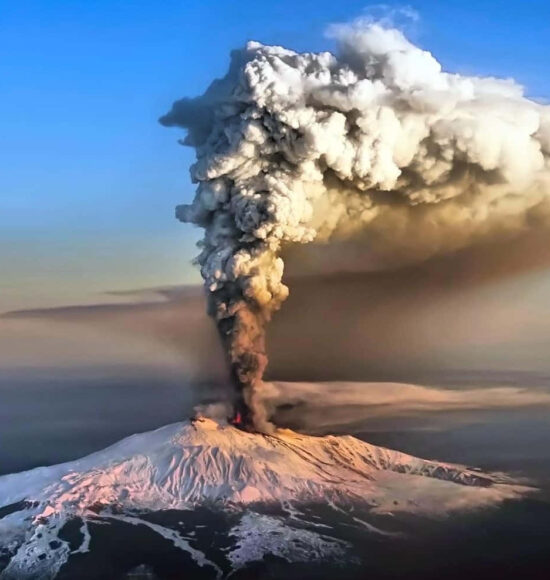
[259, 535]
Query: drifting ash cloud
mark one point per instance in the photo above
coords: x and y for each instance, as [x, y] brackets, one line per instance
[349, 406]
[375, 141]
[482, 308]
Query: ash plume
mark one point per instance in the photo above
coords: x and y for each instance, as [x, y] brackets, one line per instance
[373, 142]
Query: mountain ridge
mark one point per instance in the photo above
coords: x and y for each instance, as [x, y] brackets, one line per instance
[205, 462]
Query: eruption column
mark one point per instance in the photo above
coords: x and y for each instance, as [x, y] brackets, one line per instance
[376, 140]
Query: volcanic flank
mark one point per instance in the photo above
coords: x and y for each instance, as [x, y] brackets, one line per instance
[375, 141]
[186, 465]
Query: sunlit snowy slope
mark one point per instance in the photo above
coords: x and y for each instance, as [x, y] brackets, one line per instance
[190, 464]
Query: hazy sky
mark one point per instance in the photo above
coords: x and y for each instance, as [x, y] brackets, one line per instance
[88, 179]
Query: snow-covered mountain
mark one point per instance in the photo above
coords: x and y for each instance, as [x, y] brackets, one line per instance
[203, 462]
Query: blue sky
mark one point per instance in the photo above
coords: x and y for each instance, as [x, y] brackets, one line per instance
[88, 179]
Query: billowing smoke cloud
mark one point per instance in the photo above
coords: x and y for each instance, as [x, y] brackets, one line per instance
[296, 148]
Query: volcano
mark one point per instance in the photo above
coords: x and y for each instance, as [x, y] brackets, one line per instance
[263, 488]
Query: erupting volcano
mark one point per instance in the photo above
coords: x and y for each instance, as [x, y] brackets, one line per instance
[413, 183]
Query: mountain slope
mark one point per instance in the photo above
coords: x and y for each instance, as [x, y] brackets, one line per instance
[184, 465]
